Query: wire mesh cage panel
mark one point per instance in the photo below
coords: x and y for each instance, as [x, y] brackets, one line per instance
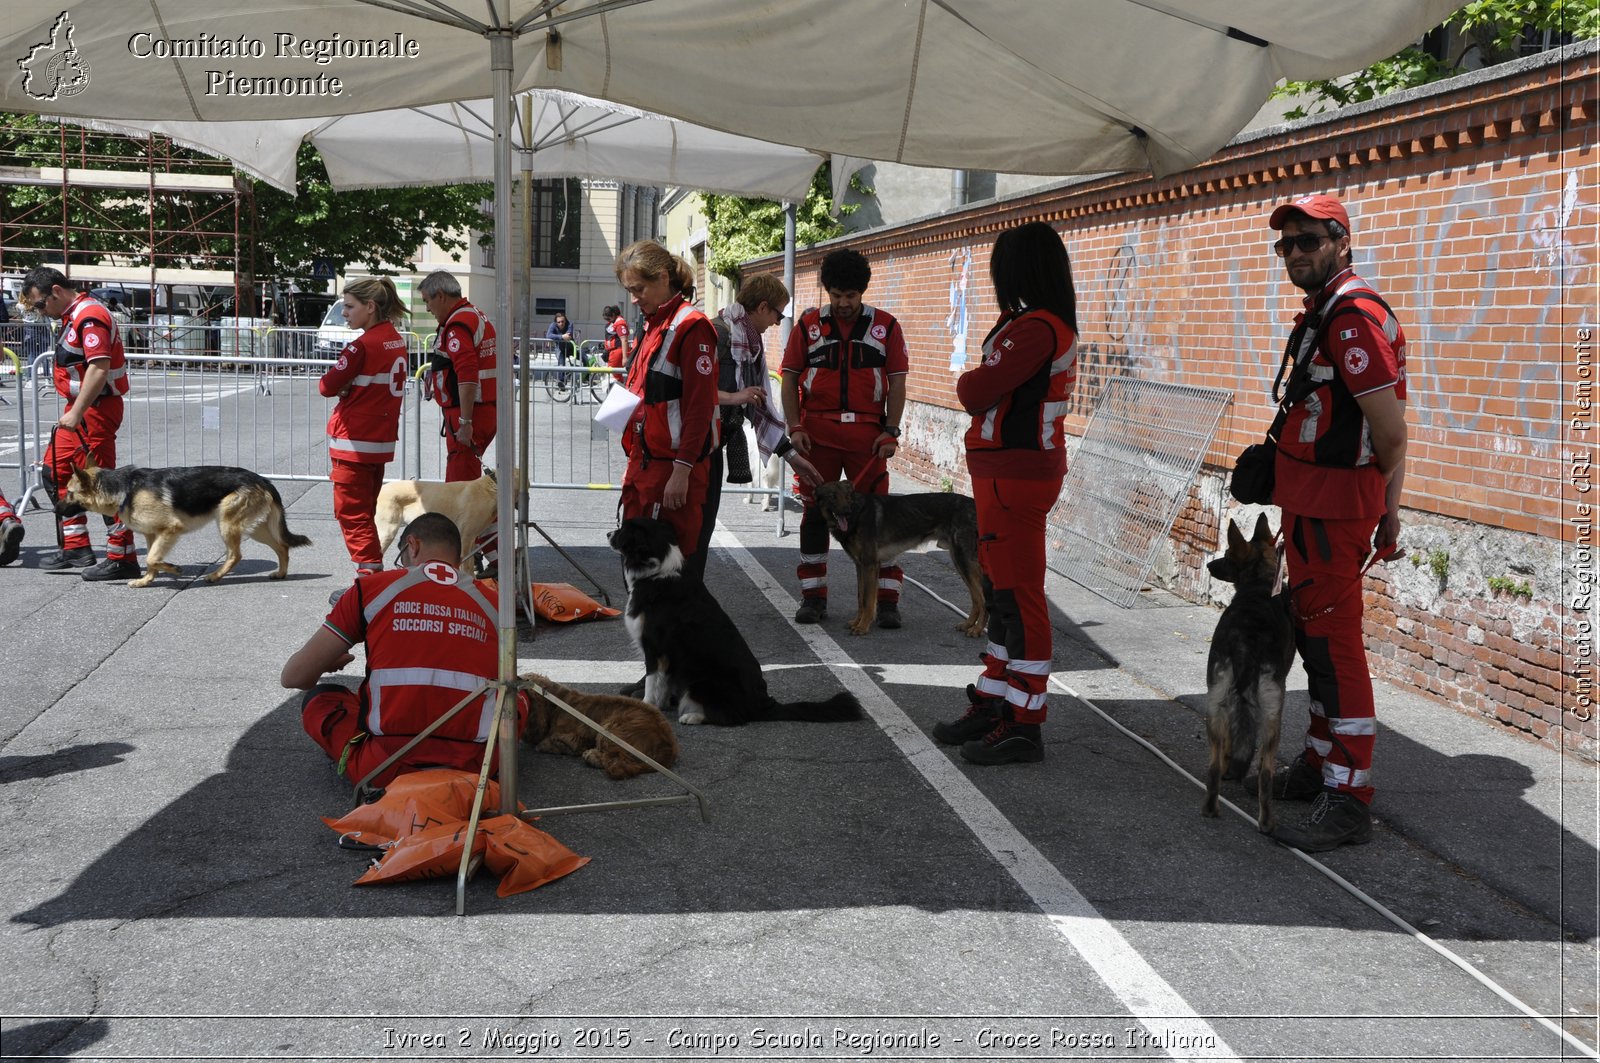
[1140, 453]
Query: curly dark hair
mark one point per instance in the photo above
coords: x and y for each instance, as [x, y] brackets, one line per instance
[846, 271]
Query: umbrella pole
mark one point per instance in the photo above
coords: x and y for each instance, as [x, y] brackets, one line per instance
[524, 559]
[500, 41]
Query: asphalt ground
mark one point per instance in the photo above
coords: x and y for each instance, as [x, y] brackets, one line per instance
[857, 891]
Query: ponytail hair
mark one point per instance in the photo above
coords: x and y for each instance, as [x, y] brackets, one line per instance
[652, 262]
[380, 291]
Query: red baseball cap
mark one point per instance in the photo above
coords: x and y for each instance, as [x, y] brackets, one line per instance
[1313, 206]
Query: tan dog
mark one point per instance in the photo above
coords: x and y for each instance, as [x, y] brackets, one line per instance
[469, 503]
[552, 730]
[164, 504]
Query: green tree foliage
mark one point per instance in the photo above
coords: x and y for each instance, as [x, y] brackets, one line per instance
[280, 235]
[1492, 28]
[739, 229]
[380, 228]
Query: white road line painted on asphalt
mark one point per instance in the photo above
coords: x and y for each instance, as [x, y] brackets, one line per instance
[1146, 995]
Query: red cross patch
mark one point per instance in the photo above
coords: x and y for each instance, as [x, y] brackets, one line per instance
[441, 573]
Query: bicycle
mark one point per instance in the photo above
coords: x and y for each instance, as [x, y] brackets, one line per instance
[573, 383]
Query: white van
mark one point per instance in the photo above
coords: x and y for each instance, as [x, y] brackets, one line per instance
[333, 333]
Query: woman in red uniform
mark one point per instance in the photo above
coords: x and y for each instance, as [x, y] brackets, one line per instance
[369, 378]
[674, 373]
[616, 341]
[1018, 400]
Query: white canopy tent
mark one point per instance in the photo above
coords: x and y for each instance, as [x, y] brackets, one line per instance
[1023, 86]
[558, 134]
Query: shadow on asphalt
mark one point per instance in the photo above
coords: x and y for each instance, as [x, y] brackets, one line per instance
[63, 761]
[53, 1037]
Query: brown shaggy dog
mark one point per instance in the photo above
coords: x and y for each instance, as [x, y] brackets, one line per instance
[552, 730]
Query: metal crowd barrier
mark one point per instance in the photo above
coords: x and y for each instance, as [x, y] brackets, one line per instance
[257, 406]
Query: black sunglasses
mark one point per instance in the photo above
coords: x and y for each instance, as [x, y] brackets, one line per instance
[1306, 242]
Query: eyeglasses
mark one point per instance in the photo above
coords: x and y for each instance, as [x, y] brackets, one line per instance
[38, 304]
[1306, 242]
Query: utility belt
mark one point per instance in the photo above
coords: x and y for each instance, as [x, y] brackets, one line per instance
[846, 417]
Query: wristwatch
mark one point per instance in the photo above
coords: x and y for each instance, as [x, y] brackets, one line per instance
[891, 431]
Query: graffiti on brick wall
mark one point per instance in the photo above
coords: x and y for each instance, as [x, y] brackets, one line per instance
[1537, 246]
[1127, 294]
[955, 323]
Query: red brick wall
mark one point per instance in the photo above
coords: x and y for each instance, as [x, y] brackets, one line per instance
[1474, 210]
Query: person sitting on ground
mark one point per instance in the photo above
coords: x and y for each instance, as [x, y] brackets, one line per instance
[430, 640]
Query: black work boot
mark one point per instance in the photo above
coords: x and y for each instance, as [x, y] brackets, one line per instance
[74, 560]
[982, 714]
[889, 615]
[1298, 782]
[811, 611]
[1007, 743]
[1335, 819]
[113, 568]
[11, 532]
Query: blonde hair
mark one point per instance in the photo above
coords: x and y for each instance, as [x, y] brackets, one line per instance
[652, 261]
[763, 288]
[380, 291]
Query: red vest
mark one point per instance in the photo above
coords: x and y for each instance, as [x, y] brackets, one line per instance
[365, 423]
[846, 373]
[1031, 417]
[463, 353]
[84, 331]
[431, 640]
[658, 377]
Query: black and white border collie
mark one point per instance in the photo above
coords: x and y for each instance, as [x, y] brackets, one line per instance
[694, 655]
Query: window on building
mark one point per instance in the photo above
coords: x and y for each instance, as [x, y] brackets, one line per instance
[557, 223]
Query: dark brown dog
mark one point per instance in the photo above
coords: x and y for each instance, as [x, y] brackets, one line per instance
[552, 730]
[1251, 651]
[876, 529]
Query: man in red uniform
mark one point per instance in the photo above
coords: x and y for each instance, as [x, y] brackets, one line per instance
[462, 378]
[1339, 474]
[430, 641]
[91, 374]
[844, 390]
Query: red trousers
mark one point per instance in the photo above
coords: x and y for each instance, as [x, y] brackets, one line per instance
[99, 428]
[1011, 526]
[6, 512]
[331, 715]
[1324, 561]
[845, 448]
[355, 501]
[465, 463]
[645, 482]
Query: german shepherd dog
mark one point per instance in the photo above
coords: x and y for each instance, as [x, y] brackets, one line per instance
[876, 529]
[163, 504]
[553, 730]
[1251, 651]
[694, 655]
[471, 504]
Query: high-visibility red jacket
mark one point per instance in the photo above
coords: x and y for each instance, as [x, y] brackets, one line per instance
[431, 640]
[1326, 464]
[463, 353]
[675, 373]
[842, 373]
[616, 342]
[88, 334]
[1018, 397]
[365, 423]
